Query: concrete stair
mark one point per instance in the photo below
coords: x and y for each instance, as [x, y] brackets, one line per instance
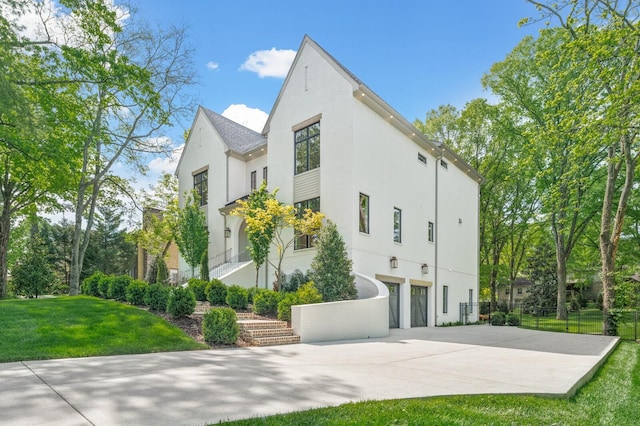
[265, 332]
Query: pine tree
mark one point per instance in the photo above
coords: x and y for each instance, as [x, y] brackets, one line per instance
[331, 267]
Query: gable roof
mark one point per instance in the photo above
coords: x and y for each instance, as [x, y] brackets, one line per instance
[367, 96]
[236, 137]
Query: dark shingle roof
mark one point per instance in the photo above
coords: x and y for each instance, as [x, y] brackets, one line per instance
[238, 138]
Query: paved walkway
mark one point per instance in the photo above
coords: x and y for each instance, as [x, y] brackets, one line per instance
[189, 388]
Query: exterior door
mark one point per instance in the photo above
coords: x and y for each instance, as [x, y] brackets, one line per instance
[418, 306]
[394, 305]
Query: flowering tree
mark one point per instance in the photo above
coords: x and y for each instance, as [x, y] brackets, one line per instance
[269, 221]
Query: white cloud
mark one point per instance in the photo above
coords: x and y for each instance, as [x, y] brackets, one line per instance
[252, 118]
[166, 163]
[212, 65]
[269, 63]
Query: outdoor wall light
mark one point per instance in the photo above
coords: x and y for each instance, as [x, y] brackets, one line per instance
[425, 269]
[459, 220]
[227, 233]
[393, 262]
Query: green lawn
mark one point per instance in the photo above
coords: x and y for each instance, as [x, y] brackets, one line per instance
[611, 398]
[79, 326]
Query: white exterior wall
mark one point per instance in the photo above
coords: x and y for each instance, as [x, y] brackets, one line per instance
[388, 171]
[321, 91]
[205, 149]
[457, 238]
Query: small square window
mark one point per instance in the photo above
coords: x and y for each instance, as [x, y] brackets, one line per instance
[422, 159]
[444, 164]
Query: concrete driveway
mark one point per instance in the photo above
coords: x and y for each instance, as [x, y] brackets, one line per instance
[189, 388]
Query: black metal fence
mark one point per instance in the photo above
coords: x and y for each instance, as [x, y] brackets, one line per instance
[587, 320]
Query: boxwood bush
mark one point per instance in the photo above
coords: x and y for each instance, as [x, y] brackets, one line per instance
[198, 287]
[236, 297]
[136, 291]
[156, 297]
[265, 302]
[103, 285]
[498, 318]
[118, 287]
[89, 286]
[181, 303]
[513, 319]
[305, 295]
[216, 292]
[219, 326]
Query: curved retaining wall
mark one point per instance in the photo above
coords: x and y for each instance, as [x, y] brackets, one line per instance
[363, 318]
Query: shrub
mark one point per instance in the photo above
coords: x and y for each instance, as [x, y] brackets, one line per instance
[485, 308]
[198, 287]
[331, 266]
[503, 307]
[305, 295]
[265, 302]
[103, 286]
[216, 292]
[157, 296]
[219, 326]
[89, 286]
[513, 319]
[118, 287]
[284, 306]
[251, 292]
[292, 281]
[236, 297]
[181, 302]
[498, 318]
[136, 291]
[162, 274]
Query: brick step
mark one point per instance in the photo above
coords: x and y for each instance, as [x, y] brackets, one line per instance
[266, 332]
[275, 340]
[246, 316]
[254, 324]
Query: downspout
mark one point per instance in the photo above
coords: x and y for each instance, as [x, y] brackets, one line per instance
[437, 242]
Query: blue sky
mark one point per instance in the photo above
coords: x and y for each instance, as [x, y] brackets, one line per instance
[416, 55]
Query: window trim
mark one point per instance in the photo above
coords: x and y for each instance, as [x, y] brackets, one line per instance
[399, 234]
[201, 186]
[445, 299]
[254, 180]
[305, 142]
[309, 239]
[360, 215]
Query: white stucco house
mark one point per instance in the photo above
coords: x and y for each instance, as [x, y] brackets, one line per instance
[406, 206]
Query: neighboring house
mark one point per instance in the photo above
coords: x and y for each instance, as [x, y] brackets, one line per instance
[406, 206]
[144, 259]
[520, 291]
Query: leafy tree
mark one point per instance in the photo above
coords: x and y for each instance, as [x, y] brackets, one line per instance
[602, 50]
[259, 237]
[539, 83]
[541, 269]
[192, 235]
[32, 275]
[276, 219]
[331, 266]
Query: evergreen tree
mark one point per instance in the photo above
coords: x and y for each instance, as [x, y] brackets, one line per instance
[331, 267]
[541, 270]
[32, 275]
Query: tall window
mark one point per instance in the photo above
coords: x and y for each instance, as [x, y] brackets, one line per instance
[364, 213]
[254, 178]
[431, 231]
[397, 225]
[307, 148]
[200, 185]
[264, 173]
[445, 299]
[303, 241]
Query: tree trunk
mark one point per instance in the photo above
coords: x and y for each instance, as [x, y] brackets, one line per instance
[5, 229]
[561, 271]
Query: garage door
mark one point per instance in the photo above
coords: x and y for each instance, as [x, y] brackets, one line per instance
[418, 306]
[394, 305]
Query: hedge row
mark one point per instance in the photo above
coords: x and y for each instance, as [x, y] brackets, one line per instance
[177, 301]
